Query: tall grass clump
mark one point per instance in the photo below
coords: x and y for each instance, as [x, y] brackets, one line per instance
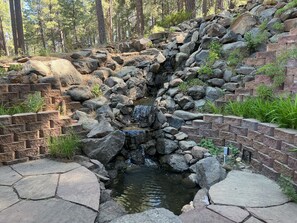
[65, 146]
[287, 187]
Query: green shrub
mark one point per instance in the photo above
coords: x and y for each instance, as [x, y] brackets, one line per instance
[2, 72]
[64, 146]
[235, 57]
[15, 67]
[265, 92]
[43, 52]
[287, 187]
[157, 29]
[33, 103]
[205, 70]
[174, 19]
[212, 148]
[263, 25]
[278, 26]
[253, 41]
[96, 90]
[184, 86]
[288, 6]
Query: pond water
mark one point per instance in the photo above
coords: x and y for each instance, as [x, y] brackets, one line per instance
[141, 188]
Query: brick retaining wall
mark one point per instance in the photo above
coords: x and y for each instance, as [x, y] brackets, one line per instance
[24, 136]
[268, 146]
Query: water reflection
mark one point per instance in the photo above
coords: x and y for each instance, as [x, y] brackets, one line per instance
[142, 188]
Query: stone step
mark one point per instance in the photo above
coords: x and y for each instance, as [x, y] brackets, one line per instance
[72, 128]
[230, 97]
[15, 161]
[275, 47]
[270, 56]
[290, 24]
[243, 91]
[255, 62]
[73, 106]
[220, 102]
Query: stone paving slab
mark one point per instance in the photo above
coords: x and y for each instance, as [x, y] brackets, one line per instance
[47, 211]
[235, 214]
[8, 176]
[37, 187]
[7, 197]
[253, 220]
[204, 216]
[43, 166]
[286, 213]
[246, 189]
[80, 186]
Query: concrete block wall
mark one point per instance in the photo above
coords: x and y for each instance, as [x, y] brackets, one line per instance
[269, 147]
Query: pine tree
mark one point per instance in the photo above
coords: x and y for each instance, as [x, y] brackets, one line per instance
[101, 22]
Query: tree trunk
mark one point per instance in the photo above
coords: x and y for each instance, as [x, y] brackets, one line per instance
[110, 21]
[219, 5]
[19, 25]
[42, 34]
[180, 5]
[101, 23]
[191, 7]
[13, 26]
[3, 50]
[140, 17]
[204, 8]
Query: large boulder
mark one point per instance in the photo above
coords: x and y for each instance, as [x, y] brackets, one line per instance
[141, 44]
[104, 149]
[96, 103]
[109, 211]
[158, 215]
[187, 115]
[243, 23]
[176, 162]
[86, 65]
[230, 47]
[209, 172]
[80, 93]
[166, 146]
[102, 129]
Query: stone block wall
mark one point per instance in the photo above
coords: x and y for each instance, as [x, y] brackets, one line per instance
[11, 94]
[24, 136]
[268, 146]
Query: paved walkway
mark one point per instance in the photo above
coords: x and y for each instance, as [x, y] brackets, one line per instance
[243, 197]
[46, 191]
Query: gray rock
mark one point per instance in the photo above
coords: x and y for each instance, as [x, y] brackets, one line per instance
[166, 146]
[216, 82]
[216, 29]
[181, 136]
[78, 93]
[65, 71]
[109, 211]
[103, 128]
[196, 92]
[104, 149]
[271, 23]
[181, 57]
[209, 172]
[188, 48]
[47, 211]
[37, 187]
[95, 103]
[85, 191]
[237, 78]
[86, 65]
[175, 82]
[245, 70]
[267, 14]
[201, 199]
[187, 145]
[244, 23]
[283, 213]
[81, 54]
[201, 56]
[127, 70]
[175, 121]
[198, 152]
[230, 86]
[229, 37]
[173, 91]
[213, 93]
[242, 189]
[54, 81]
[235, 214]
[169, 130]
[183, 100]
[141, 44]
[8, 198]
[43, 166]
[227, 75]
[253, 220]
[199, 103]
[176, 162]
[9, 176]
[159, 215]
[230, 47]
[186, 116]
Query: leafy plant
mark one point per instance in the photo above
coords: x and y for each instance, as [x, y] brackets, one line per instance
[174, 19]
[212, 148]
[2, 72]
[278, 26]
[205, 69]
[15, 67]
[33, 103]
[288, 6]
[96, 90]
[235, 57]
[287, 187]
[253, 41]
[265, 92]
[157, 29]
[64, 146]
[184, 86]
[263, 25]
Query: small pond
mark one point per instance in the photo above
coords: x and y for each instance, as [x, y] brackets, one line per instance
[141, 188]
